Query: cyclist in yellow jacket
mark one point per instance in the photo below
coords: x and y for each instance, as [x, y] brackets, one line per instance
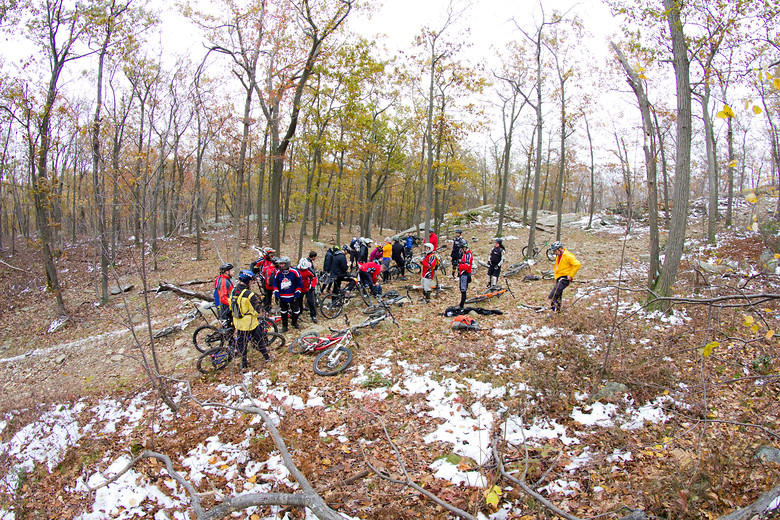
[246, 307]
[566, 267]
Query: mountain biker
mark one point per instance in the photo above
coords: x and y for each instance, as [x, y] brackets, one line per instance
[387, 254]
[368, 273]
[464, 272]
[363, 250]
[429, 264]
[495, 262]
[247, 307]
[398, 256]
[338, 268]
[408, 245]
[353, 251]
[433, 239]
[287, 290]
[223, 284]
[457, 246]
[267, 253]
[268, 273]
[566, 267]
[308, 283]
[375, 256]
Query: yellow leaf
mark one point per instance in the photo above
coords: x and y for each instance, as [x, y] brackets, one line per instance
[493, 495]
[642, 76]
[749, 320]
[254, 517]
[706, 350]
[721, 115]
[770, 334]
[760, 75]
[213, 460]
[747, 103]
[252, 479]
[733, 164]
[777, 257]
[754, 328]
[751, 198]
[727, 110]
[712, 415]
[756, 109]
[776, 83]
[326, 462]
[639, 68]
[224, 467]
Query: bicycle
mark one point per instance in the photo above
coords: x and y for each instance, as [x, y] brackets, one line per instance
[207, 337]
[493, 292]
[218, 358]
[413, 265]
[396, 273]
[332, 304]
[334, 355]
[517, 268]
[383, 302]
[548, 252]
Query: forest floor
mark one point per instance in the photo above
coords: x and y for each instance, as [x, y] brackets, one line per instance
[678, 442]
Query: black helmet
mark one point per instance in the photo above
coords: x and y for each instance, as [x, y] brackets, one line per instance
[246, 276]
[556, 245]
[430, 230]
[499, 241]
[459, 231]
[225, 267]
[465, 245]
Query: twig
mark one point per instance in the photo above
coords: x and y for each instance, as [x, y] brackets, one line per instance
[12, 267]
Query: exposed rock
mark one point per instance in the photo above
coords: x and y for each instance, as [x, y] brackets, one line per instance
[122, 288]
[60, 359]
[319, 245]
[610, 390]
[708, 267]
[117, 358]
[768, 453]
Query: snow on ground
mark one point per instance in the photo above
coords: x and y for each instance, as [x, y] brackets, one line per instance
[466, 429]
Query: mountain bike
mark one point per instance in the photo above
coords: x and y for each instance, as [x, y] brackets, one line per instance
[517, 268]
[218, 358]
[334, 354]
[331, 305]
[385, 301]
[413, 265]
[492, 292]
[207, 337]
[548, 252]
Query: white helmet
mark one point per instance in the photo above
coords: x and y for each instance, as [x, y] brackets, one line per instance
[428, 246]
[304, 263]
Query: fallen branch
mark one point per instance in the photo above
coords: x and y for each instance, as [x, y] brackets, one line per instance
[765, 506]
[12, 267]
[165, 286]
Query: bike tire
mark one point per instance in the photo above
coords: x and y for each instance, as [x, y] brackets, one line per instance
[332, 361]
[304, 343]
[274, 341]
[214, 360]
[414, 267]
[271, 325]
[364, 295]
[525, 252]
[207, 337]
[550, 255]
[331, 306]
[375, 310]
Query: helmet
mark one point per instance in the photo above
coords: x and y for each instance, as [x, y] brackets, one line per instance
[246, 276]
[269, 252]
[464, 245]
[285, 260]
[556, 245]
[225, 267]
[459, 231]
[430, 230]
[275, 260]
[428, 246]
[304, 263]
[499, 241]
[336, 248]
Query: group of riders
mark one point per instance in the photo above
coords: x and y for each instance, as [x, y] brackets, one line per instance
[294, 287]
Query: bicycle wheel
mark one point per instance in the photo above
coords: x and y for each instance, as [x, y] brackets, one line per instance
[274, 341]
[414, 267]
[304, 343]
[365, 295]
[332, 361]
[270, 324]
[375, 310]
[550, 255]
[395, 272]
[214, 360]
[525, 252]
[206, 337]
[331, 306]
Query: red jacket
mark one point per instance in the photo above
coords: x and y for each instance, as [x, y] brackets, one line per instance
[465, 263]
[308, 280]
[371, 268]
[222, 287]
[269, 272]
[433, 239]
[429, 264]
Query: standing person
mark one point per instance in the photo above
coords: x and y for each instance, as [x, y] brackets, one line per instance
[375, 256]
[429, 264]
[338, 268]
[287, 289]
[223, 285]
[363, 250]
[464, 272]
[409, 245]
[398, 256]
[258, 265]
[269, 273]
[433, 239]
[326, 267]
[566, 267]
[353, 251]
[246, 311]
[457, 246]
[495, 262]
[368, 273]
[387, 254]
[308, 283]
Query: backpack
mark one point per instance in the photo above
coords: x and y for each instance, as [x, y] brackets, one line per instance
[235, 308]
[464, 322]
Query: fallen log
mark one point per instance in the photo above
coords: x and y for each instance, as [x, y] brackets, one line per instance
[165, 286]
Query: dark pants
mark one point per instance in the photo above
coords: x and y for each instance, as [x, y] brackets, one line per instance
[557, 292]
[494, 270]
[367, 281]
[310, 301]
[267, 298]
[463, 284]
[242, 343]
[337, 283]
[289, 307]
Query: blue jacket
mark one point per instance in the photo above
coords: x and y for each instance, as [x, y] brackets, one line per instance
[287, 285]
